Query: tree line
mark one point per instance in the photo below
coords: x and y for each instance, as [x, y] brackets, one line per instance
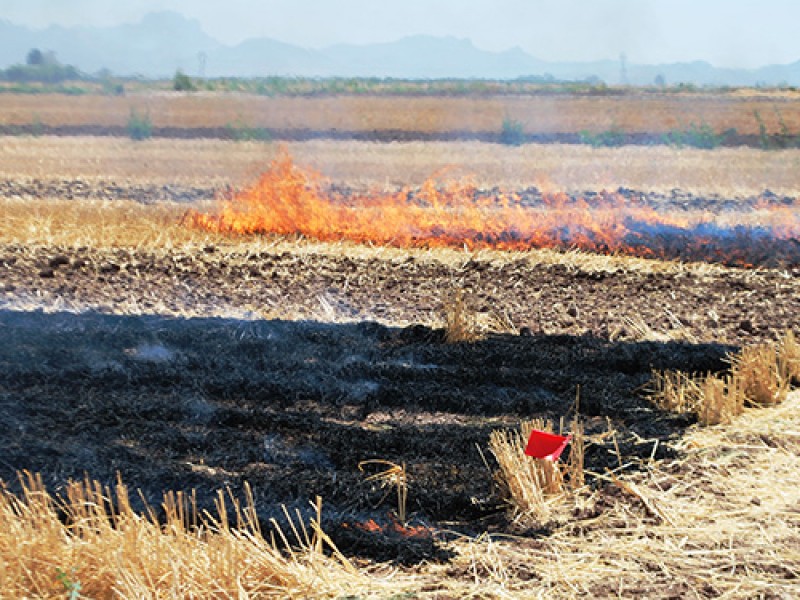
[42, 67]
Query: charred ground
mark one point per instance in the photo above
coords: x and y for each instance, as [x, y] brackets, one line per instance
[184, 399]
[293, 407]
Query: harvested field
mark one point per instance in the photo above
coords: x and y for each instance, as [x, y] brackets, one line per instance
[405, 118]
[181, 359]
[214, 164]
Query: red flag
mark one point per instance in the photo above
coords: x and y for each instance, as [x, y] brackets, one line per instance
[548, 446]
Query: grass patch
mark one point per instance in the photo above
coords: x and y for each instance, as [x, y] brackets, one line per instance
[139, 125]
[241, 131]
[512, 132]
[789, 354]
[730, 172]
[697, 135]
[713, 399]
[611, 138]
[762, 373]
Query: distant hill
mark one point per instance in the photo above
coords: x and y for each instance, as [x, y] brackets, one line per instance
[431, 57]
[166, 41]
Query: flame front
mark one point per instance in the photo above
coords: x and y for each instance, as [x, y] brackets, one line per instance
[393, 527]
[287, 200]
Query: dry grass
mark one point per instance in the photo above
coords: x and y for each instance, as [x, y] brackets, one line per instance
[102, 224]
[721, 399]
[540, 113]
[392, 476]
[93, 543]
[726, 171]
[722, 521]
[675, 391]
[789, 354]
[213, 163]
[715, 400]
[114, 228]
[460, 320]
[573, 168]
[536, 489]
[95, 224]
[760, 376]
[637, 328]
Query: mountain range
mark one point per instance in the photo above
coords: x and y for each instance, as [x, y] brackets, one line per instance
[163, 42]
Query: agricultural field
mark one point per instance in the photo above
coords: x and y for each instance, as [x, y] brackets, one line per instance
[736, 117]
[325, 350]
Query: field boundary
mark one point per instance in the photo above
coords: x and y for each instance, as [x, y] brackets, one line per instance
[302, 134]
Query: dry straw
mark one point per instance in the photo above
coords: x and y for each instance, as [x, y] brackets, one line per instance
[393, 476]
[720, 520]
[715, 400]
[92, 543]
[461, 323]
[535, 488]
[790, 358]
[761, 375]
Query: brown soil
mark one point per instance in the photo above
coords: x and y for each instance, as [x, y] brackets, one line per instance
[186, 399]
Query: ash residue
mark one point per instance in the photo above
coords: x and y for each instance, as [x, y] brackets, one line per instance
[289, 408]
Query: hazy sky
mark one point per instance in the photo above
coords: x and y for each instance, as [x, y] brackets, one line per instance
[736, 33]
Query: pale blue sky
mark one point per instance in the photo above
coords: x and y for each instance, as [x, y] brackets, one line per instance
[730, 33]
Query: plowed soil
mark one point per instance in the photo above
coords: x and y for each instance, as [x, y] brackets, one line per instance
[129, 362]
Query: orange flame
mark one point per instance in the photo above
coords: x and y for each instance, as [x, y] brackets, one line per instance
[394, 527]
[287, 200]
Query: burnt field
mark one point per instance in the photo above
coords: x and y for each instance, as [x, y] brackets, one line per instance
[294, 407]
[143, 339]
[285, 365]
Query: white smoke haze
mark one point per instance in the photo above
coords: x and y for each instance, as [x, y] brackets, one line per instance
[726, 33]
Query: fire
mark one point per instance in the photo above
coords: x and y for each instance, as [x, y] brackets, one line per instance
[393, 527]
[288, 200]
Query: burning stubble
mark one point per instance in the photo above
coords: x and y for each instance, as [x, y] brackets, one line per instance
[289, 200]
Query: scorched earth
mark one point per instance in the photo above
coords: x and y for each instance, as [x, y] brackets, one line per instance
[287, 363]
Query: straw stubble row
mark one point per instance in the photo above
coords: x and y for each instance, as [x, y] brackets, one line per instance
[536, 489]
[760, 375]
[91, 543]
